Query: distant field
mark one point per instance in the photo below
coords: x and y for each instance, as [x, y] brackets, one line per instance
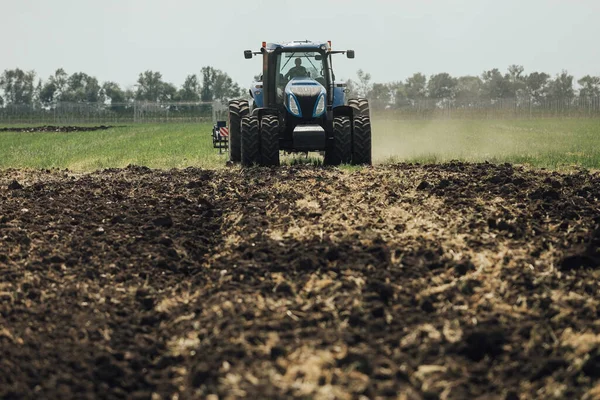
[549, 143]
[155, 146]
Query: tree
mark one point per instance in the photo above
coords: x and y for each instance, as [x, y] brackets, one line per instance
[468, 88]
[536, 85]
[441, 86]
[1, 101]
[36, 94]
[82, 88]
[590, 86]
[217, 85]
[398, 94]
[364, 83]
[517, 83]
[416, 87]
[224, 88]
[495, 85]
[113, 92]
[169, 92]
[561, 87]
[47, 93]
[18, 86]
[190, 89]
[379, 96]
[150, 86]
[53, 89]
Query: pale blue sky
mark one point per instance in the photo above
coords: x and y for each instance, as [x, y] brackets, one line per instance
[117, 39]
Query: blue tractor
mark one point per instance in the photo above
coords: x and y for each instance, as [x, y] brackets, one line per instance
[297, 106]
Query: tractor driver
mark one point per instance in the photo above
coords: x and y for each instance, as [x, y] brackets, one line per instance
[298, 71]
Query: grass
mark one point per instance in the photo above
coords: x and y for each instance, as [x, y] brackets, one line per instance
[549, 143]
[155, 146]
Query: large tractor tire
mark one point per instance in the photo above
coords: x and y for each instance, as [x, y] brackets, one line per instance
[237, 110]
[339, 151]
[360, 107]
[269, 140]
[250, 143]
[361, 141]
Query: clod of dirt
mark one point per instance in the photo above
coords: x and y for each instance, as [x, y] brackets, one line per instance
[444, 183]
[384, 290]
[423, 185]
[332, 254]
[284, 288]
[463, 268]
[56, 259]
[591, 367]
[15, 185]
[426, 305]
[504, 226]
[164, 222]
[106, 370]
[579, 261]
[145, 298]
[484, 341]
[549, 367]
[201, 373]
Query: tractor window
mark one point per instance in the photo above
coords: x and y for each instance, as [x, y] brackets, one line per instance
[300, 65]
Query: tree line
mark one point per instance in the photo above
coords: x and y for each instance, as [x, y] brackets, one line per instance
[18, 87]
[491, 85]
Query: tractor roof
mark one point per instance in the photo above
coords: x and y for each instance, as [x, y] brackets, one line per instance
[297, 44]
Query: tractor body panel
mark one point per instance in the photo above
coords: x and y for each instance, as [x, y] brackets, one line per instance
[339, 95]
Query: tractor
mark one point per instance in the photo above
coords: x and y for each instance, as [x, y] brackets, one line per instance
[298, 107]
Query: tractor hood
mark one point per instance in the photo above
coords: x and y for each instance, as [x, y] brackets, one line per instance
[305, 98]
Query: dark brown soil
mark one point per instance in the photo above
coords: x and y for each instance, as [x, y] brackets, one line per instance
[52, 128]
[450, 281]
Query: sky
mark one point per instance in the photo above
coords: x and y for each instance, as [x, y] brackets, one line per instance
[115, 40]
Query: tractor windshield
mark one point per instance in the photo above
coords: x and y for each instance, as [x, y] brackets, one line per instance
[300, 65]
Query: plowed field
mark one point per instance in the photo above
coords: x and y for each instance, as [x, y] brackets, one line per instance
[447, 281]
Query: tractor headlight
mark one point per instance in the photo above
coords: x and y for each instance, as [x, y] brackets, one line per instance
[320, 107]
[294, 106]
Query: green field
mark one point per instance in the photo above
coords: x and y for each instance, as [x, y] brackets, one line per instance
[550, 143]
[547, 143]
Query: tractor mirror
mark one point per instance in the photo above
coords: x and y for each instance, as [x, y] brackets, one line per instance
[350, 53]
[318, 57]
[247, 54]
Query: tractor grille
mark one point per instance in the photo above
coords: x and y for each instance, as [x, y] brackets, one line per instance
[307, 105]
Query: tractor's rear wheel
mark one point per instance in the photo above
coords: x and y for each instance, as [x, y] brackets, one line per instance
[250, 143]
[237, 110]
[269, 140]
[360, 107]
[361, 141]
[339, 151]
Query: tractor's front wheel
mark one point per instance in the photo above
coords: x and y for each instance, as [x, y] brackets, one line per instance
[269, 140]
[339, 150]
[250, 143]
[361, 141]
[237, 110]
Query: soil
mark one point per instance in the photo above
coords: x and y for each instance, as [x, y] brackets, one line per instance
[52, 128]
[447, 281]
